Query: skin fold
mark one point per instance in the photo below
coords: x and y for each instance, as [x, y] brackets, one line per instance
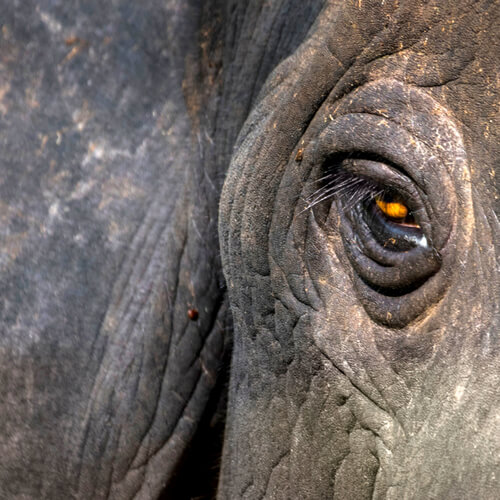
[176, 322]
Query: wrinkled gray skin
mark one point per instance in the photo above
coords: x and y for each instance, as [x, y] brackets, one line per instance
[119, 124]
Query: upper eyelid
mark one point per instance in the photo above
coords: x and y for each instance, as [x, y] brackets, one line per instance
[354, 175]
[345, 184]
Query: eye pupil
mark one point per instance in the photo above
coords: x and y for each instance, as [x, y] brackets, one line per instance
[392, 209]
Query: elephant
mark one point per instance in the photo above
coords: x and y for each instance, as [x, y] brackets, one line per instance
[249, 249]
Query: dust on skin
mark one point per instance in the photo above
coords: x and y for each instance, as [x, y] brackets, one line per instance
[118, 188]
[82, 116]
[11, 248]
[12, 242]
[4, 89]
[8, 52]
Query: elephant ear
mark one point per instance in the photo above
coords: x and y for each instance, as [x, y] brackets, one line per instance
[344, 375]
[108, 372]
[118, 122]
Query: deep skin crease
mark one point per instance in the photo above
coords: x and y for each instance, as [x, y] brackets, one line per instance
[120, 123]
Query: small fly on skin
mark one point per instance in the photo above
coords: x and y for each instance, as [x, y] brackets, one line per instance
[299, 155]
[192, 314]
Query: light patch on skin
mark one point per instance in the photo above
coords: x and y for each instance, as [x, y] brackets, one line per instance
[52, 24]
[94, 152]
[12, 243]
[421, 242]
[54, 215]
[117, 234]
[116, 189]
[43, 142]
[11, 248]
[81, 117]
[3, 91]
[54, 210]
[82, 189]
[459, 392]
[99, 150]
[79, 239]
[31, 98]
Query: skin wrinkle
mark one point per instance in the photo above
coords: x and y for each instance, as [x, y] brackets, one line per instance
[239, 68]
[147, 430]
[489, 264]
[244, 136]
[377, 404]
[310, 120]
[129, 265]
[79, 274]
[186, 403]
[174, 434]
[262, 58]
[303, 305]
[273, 467]
[365, 59]
[302, 276]
[378, 398]
[138, 312]
[410, 131]
[400, 124]
[138, 261]
[375, 112]
[312, 281]
[287, 453]
[183, 246]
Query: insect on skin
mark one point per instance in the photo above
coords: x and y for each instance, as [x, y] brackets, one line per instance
[192, 314]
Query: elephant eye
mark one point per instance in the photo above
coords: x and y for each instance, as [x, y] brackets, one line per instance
[392, 223]
[381, 211]
[383, 216]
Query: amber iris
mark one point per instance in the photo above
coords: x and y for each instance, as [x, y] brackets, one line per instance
[392, 209]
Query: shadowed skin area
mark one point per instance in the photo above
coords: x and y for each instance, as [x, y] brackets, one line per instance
[349, 369]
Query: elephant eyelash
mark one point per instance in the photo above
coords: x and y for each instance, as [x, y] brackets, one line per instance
[350, 189]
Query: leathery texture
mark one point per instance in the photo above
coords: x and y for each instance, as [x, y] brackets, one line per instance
[329, 397]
